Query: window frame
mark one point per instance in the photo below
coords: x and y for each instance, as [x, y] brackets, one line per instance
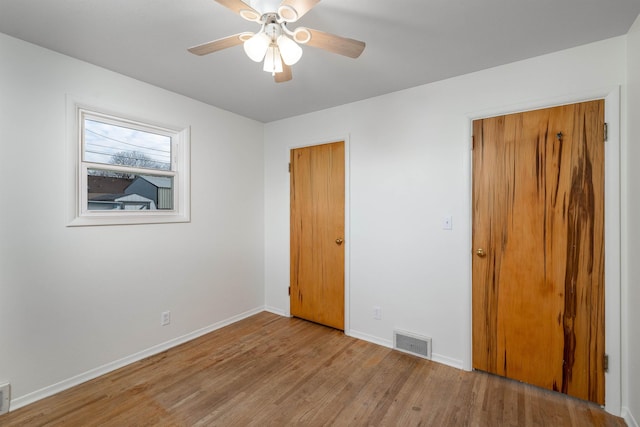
[79, 214]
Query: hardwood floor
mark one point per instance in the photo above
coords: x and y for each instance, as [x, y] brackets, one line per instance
[274, 371]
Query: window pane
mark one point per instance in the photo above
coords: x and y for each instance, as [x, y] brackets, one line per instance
[117, 145]
[111, 190]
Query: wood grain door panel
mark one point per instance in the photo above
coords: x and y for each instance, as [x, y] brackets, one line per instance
[538, 213]
[317, 222]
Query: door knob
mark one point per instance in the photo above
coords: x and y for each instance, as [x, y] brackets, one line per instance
[339, 241]
[480, 252]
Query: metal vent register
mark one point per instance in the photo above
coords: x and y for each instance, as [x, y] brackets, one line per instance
[413, 344]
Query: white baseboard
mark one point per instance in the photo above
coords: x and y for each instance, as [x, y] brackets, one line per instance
[628, 417]
[277, 311]
[454, 363]
[109, 367]
[370, 338]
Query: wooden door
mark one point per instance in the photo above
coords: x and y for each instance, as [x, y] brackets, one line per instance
[317, 234]
[538, 241]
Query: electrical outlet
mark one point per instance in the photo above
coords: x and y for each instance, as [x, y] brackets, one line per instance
[447, 223]
[377, 313]
[165, 319]
[5, 397]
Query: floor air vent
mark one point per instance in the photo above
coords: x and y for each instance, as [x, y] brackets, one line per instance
[412, 344]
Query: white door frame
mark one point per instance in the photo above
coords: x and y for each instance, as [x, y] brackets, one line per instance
[612, 238]
[347, 229]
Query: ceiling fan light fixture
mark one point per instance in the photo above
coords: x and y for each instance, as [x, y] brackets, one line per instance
[272, 60]
[274, 44]
[256, 47]
[290, 51]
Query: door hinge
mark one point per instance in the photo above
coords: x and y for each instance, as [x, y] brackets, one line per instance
[606, 131]
[605, 363]
[473, 143]
[289, 167]
[289, 291]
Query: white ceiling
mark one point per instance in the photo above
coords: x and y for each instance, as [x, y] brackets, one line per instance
[409, 43]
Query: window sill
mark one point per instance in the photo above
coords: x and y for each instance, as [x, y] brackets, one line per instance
[129, 219]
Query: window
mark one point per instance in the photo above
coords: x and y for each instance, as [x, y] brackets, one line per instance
[128, 171]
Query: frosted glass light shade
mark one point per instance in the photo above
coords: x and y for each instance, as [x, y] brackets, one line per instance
[290, 51]
[256, 47]
[272, 60]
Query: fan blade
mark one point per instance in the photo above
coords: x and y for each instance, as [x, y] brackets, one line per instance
[335, 44]
[238, 6]
[219, 44]
[301, 6]
[285, 75]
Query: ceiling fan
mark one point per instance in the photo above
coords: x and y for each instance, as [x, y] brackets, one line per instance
[275, 44]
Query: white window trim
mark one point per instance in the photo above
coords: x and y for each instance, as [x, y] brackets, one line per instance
[78, 214]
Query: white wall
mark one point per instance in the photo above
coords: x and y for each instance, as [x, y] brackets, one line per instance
[71, 308]
[631, 233]
[73, 300]
[409, 167]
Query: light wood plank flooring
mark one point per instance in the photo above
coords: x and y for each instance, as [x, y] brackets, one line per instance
[274, 371]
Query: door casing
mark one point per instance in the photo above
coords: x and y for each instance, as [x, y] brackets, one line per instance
[612, 208]
[347, 234]
[539, 200]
